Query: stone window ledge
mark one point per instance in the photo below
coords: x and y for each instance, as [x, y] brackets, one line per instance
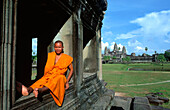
[30, 102]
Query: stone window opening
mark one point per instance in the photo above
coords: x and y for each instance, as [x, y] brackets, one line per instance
[34, 58]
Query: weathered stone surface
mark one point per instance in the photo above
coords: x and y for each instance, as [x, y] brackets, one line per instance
[123, 102]
[141, 103]
[158, 108]
[155, 99]
[110, 93]
[104, 101]
[142, 100]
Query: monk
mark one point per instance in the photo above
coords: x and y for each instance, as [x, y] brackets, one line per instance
[54, 79]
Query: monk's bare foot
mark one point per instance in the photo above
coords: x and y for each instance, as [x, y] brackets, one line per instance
[35, 92]
[24, 91]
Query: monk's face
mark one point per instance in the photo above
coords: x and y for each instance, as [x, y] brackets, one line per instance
[58, 48]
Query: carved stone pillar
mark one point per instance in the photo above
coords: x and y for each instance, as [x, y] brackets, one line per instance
[78, 49]
[6, 54]
[99, 57]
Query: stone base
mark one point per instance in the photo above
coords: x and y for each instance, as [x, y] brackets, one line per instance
[92, 96]
[110, 102]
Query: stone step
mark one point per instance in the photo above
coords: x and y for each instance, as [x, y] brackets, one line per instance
[121, 103]
[104, 101]
[141, 103]
[153, 107]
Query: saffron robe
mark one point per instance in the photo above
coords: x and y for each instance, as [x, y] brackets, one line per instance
[54, 76]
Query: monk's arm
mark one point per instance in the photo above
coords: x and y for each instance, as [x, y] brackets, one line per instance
[70, 73]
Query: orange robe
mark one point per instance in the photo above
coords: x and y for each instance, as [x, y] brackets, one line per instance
[54, 76]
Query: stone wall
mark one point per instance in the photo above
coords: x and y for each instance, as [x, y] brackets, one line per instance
[137, 59]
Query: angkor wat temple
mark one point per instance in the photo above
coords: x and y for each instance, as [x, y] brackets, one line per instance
[117, 55]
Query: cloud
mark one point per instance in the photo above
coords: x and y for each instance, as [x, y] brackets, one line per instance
[106, 44]
[167, 41]
[152, 25]
[162, 50]
[155, 23]
[112, 46]
[128, 35]
[139, 48]
[108, 34]
[133, 43]
[120, 45]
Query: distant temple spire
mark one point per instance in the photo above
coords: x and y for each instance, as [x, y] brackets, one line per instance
[108, 50]
[105, 50]
[124, 50]
[115, 47]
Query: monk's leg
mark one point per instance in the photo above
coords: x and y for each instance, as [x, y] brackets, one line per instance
[22, 89]
[26, 91]
[39, 91]
[18, 87]
[30, 90]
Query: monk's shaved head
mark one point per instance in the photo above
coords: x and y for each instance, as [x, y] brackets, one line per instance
[58, 41]
[58, 47]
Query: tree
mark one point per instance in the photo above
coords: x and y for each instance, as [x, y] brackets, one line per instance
[114, 57]
[155, 52]
[147, 55]
[119, 48]
[167, 55]
[161, 58]
[106, 57]
[127, 59]
[146, 49]
[34, 56]
[124, 59]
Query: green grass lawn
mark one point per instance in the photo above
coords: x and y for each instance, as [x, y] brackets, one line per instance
[34, 74]
[118, 74]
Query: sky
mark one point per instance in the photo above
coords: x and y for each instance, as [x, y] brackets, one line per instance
[137, 24]
[34, 46]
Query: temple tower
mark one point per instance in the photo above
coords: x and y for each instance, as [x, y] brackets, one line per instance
[115, 48]
[124, 50]
[105, 50]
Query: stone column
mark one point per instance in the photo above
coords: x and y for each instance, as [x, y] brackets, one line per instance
[78, 49]
[6, 55]
[99, 57]
[15, 4]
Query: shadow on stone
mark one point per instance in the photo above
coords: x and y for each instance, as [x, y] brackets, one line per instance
[116, 108]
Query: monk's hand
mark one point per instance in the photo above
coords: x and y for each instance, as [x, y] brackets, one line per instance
[67, 86]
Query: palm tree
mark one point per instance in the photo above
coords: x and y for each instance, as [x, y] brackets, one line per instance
[146, 48]
[119, 48]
